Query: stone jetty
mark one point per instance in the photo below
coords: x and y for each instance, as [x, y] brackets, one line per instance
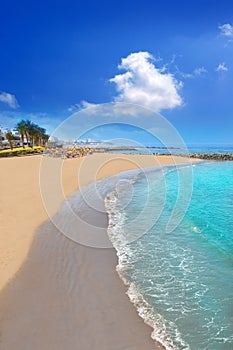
[204, 156]
[212, 156]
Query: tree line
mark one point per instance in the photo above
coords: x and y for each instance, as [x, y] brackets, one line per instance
[29, 131]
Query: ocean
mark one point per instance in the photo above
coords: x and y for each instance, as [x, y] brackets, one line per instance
[190, 149]
[180, 281]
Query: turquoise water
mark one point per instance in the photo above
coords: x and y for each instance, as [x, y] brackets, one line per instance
[181, 282]
[190, 149]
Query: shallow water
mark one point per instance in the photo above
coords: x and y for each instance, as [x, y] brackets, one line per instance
[181, 282]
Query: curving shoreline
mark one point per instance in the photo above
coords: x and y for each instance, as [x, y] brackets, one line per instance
[43, 293]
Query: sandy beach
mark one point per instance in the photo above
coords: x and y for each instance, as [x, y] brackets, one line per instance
[47, 302]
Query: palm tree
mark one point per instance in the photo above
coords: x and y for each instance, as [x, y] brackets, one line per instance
[0, 137]
[21, 127]
[45, 139]
[41, 133]
[28, 130]
[10, 138]
[32, 131]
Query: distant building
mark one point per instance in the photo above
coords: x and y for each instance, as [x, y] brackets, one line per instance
[3, 140]
[3, 132]
[16, 134]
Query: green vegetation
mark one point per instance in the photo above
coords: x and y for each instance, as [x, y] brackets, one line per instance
[30, 134]
[10, 138]
[33, 132]
[21, 151]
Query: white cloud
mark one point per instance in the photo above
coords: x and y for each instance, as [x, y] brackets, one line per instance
[221, 68]
[145, 84]
[79, 106]
[73, 108]
[226, 30]
[197, 72]
[9, 99]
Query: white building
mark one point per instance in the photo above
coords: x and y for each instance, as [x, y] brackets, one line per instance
[3, 140]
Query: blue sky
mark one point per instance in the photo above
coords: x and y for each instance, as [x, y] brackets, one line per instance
[54, 55]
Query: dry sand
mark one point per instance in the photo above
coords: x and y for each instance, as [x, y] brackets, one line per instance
[46, 303]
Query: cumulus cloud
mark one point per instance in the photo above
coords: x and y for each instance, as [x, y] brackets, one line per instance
[9, 99]
[145, 84]
[221, 67]
[226, 30]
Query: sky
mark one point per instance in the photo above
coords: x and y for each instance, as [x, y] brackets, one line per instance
[172, 57]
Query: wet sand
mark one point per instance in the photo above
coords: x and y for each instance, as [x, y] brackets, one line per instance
[58, 294]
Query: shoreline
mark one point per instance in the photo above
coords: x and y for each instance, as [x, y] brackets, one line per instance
[39, 262]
